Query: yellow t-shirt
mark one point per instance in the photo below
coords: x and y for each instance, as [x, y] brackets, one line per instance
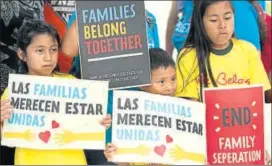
[241, 66]
[24, 156]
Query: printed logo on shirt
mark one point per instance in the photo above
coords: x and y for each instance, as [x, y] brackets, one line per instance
[182, 27]
[184, 23]
[224, 79]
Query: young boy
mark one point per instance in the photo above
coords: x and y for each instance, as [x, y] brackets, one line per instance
[163, 81]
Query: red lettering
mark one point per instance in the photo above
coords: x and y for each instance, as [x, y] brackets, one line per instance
[96, 49]
[109, 46]
[123, 43]
[88, 45]
[138, 43]
[116, 43]
[130, 42]
[103, 46]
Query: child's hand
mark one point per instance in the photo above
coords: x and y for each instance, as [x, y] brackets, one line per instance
[110, 150]
[106, 122]
[6, 110]
[267, 158]
[207, 163]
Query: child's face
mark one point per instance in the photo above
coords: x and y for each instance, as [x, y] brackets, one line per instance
[163, 81]
[219, 23]
[42, 55]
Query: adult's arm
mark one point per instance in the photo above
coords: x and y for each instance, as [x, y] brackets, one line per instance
[69, 43]
[171, 22]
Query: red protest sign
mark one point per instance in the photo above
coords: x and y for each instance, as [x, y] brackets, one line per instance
[235, 125]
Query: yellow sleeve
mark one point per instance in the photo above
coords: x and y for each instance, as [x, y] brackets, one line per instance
[5, 95]
[258, 74]
[187, 75]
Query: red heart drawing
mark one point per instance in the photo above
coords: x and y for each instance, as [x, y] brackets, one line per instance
[169, 139]
[55, 124]
[160, 150]
[44, 136]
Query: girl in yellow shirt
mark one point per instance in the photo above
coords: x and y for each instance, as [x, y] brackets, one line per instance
[212, 57]
[38, 46]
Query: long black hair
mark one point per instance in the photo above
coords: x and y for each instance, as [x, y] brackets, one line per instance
[27, 32]
[199, 40]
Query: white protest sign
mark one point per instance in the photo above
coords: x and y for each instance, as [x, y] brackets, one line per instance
[153, 128]
[55, 113]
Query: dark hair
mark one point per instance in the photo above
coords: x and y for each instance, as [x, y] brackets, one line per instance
[27, 32]
[160, 58]
[261, 23]
[199, 39]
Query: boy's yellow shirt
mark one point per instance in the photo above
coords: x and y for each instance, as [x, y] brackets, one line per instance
[24, 156]
[241, 66]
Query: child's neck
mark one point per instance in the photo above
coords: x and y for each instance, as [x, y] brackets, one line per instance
[223, 50]
[35, 74]
[221, 47]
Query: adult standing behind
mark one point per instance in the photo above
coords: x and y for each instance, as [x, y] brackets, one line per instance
[13, 14]
[178, 25]
[64, 9]
[246, 28]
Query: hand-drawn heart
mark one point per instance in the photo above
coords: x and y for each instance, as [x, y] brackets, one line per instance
[160, 150]
[169, 139]
[55, 124]
[44, 136]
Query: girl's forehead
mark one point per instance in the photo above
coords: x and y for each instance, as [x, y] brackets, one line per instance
[43, 39]
[219, 6]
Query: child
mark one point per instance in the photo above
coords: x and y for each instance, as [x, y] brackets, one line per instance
[163, 81]
[213, 57]
[38, 46]
[180, 19]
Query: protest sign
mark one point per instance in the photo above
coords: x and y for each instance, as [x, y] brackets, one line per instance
[113, 42]
[235, 125]
[55, 113]
[267, 129]
[153, 128]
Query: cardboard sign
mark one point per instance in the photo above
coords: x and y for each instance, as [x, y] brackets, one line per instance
[150, 128]
[235, 125]
[113, 42]
[55, 113]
